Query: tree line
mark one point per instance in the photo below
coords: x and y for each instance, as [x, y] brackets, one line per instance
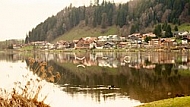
[133, 16]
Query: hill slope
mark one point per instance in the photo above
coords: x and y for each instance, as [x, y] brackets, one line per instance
[86, 31]
[134, 16]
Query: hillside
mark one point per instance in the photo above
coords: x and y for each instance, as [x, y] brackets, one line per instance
[79, 32]
[134, 16]
[86, 31]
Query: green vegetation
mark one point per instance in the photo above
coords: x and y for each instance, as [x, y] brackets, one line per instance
[8, 44]
[158, 30]
[79, 32]
[166, 28]
[27, 48]
[148, 39]
[184, 27]
[172, 102]
[131, 17]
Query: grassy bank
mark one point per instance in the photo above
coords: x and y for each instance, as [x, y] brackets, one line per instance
[172, 102]
[28, 49]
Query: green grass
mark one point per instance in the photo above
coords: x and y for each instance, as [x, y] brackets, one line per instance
[85, 31]
[27, 48]
[79, 32]
[184, 27]
[172, 102]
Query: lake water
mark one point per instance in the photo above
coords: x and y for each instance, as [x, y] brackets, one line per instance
[104, 79]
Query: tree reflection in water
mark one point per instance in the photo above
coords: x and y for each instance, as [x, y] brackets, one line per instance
[144, 76]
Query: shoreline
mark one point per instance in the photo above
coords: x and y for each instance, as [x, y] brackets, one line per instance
[102, 50]
[171, 102]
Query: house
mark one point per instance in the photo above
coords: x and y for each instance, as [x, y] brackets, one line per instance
[123, 38]
[167, 42]
[109, 45]
[99, 45]
[71, 45]
[103, 38]
[39, 43]
[181, 34]
[86, 43]
[152, 35]
[17, 46]
[80, 44]
[188, 36]
[114, 38]
[111, 38]
[49, 46]
[137, 35]
[155, 42]
[123, 44]
[184, 41]
[62, 44]
[132, 38]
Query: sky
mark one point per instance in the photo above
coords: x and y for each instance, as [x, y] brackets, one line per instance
[18, 17]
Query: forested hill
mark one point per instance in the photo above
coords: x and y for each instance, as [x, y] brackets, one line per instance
[133, 16]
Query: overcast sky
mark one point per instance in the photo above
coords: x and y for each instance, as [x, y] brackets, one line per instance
[18, 17]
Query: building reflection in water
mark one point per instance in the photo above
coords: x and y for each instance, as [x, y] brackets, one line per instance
[141, 76]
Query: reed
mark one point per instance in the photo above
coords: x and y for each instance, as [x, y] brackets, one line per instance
[23, 96]
[28, 93]
[44, 71]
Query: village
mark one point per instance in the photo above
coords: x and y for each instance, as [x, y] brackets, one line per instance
[180, 40]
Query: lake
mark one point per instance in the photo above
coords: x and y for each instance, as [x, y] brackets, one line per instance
[105, 79]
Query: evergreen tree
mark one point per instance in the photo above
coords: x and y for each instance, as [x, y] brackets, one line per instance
[189, 8]
[158, 31]
[175, 28]
[86, 21]
[133, 29]
[164, 26]
[168, 32]
[137, 14]
[110, 14]
[121, 19]
[26, 39]
[104, 20]
[96, 2]
[147, 39]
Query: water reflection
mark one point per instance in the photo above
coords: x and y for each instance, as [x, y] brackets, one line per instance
[120, 77]
[114, 60]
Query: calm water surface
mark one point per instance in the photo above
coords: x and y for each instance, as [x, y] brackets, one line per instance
[112, 79]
